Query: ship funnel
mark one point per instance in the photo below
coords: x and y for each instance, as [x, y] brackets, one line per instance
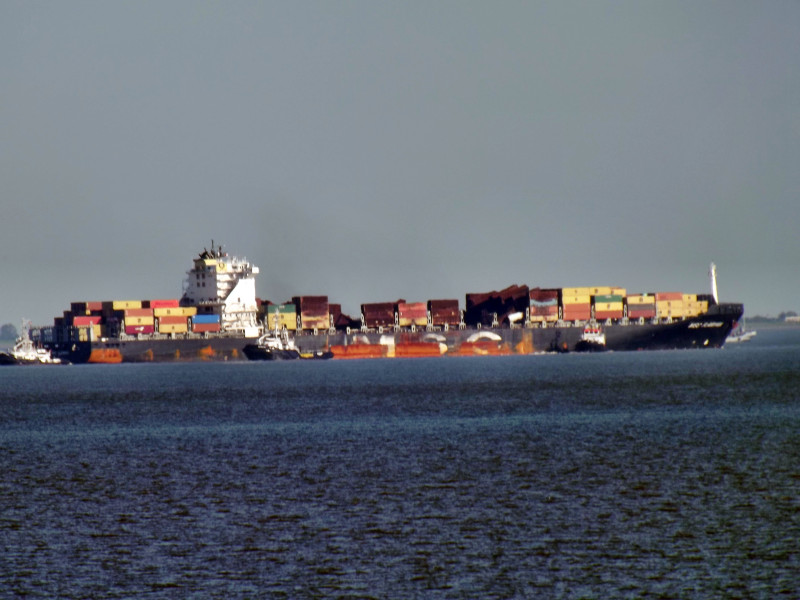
[712, 273]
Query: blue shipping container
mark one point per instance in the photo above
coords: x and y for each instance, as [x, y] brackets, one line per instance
[205, 319]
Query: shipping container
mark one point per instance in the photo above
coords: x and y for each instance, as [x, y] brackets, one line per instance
[444, 312]
[130, 321]
[282, 316]
[590, 291]
[576, 312]
[643, 311]
[173, 328]
[607, 299]
[83, 321]
[575, 299]
[134, 312]
[137, 329]
[205, 327]
[664, 296]
[173, 303]
[171, 320]
[205, 319]
[378, 314]
[312, 312]
[121, 304]
[86, 308]
[412, 313]
[176, 311]
[641, 299]
[482, 308]
[602, 314]
[90, 332]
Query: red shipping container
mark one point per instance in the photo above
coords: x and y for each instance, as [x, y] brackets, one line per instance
[205, 327]
[160, 303]
[643, 312]
[602, 315]
[85, 321]
[576, 314]
[134, 329]
[668, 296]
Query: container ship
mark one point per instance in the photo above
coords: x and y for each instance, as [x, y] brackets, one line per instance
[219, 317]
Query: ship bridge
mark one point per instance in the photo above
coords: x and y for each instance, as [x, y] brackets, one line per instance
[223, 285]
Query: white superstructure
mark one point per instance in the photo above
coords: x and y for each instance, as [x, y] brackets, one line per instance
[226, 286]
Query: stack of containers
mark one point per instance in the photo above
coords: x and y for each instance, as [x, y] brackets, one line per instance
[608, 306]
[444, 312]
[170, 316]
[544, 305]
[377, 314]
[412, 314]
[205, 324]
[85, 323]
[282, 316]
[87, 317]
[641, 306]
[693, 306]
[576, 303]
[482, 307]
[312, 312]
[129, 315]
[86, 308]
[669, 304]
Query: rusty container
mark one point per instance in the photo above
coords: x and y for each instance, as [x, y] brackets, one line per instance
[378, 314]
[412, 313]
[444, 312]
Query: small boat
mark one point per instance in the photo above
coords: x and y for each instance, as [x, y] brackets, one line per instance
[592, 340]
[740, 334]
[25, 352]
[276, 345]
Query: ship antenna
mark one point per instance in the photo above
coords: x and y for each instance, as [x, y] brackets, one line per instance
[712, 272]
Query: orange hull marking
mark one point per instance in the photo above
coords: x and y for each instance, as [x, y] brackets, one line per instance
[417, 350]
[105, 355]
[359, 351]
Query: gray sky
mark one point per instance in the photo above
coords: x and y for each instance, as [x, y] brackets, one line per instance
[372, 151]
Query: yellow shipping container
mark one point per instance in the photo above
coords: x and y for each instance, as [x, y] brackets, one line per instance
[96, 332]
[591, 291]
[690, 297]
[608, 306]
[139, 321]
[175, 311]
[617, 291]
[287, 320]
[576, 299]
[124, 304]
[641, 299]
[175, 328]
[544, 318]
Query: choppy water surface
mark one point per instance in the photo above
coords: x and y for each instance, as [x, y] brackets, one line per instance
[661, 475]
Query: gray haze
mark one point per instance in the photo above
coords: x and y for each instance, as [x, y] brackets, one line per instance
[372, 151]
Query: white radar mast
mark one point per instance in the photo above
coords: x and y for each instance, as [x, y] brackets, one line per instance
[712, 272]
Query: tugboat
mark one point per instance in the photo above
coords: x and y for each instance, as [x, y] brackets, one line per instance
[592, 340]
[740, 334]
[25, 353]
[276, 345]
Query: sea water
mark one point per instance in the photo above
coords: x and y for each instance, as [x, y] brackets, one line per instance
[669, 474]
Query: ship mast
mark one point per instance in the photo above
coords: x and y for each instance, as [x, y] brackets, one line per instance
[712, 272]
